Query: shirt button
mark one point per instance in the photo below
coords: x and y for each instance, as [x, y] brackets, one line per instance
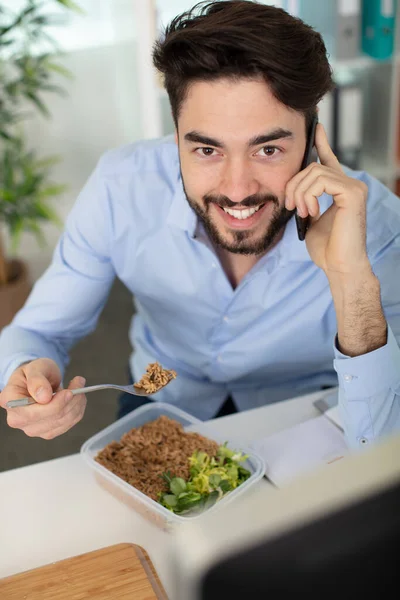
[214, 265]
[226, 319]
[219, 359]
[347, 377]
[363, 441]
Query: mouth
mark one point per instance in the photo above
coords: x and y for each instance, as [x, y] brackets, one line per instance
[243, 218]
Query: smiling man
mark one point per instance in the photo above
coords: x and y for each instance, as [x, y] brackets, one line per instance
[200, 229]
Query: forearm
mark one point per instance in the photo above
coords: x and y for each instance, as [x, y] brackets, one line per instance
[361, 324]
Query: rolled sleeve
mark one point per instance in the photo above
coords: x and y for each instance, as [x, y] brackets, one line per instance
[369, 392]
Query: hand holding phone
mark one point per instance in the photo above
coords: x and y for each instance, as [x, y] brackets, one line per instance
[301, 222]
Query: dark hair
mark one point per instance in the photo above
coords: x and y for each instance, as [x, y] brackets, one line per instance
[241, 39]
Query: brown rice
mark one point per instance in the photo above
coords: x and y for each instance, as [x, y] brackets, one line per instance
[144, 453]
[155, 378]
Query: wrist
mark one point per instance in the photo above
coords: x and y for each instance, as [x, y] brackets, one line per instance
[361, 324]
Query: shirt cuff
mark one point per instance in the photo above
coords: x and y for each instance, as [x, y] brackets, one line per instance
[369, 374]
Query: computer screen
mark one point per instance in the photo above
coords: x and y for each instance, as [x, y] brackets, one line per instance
[352, 553]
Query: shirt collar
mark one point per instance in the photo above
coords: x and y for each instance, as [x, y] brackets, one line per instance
[181, 215]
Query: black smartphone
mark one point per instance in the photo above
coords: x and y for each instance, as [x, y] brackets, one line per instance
[301, 222]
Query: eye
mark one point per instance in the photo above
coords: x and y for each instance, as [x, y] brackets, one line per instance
[268, 151]
[204, 151]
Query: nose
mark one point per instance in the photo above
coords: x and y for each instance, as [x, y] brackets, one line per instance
[237, 181]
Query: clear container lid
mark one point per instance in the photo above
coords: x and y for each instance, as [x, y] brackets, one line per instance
[150, 412]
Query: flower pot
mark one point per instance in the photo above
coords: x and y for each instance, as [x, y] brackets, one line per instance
[14, 294]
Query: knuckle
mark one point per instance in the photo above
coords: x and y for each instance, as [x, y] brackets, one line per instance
[77, 419]
[49, 435]
[14, 421]
[363, 188]
[29, 432]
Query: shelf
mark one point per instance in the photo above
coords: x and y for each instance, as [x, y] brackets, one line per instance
[382, 172]
[363, 61]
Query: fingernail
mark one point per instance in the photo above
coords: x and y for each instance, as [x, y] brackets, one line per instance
[301, 212]
[41, 395]
[81, 381]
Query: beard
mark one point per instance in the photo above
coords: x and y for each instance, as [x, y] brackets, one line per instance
[242, 242]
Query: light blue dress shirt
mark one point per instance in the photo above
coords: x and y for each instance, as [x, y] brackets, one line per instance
[269, 339]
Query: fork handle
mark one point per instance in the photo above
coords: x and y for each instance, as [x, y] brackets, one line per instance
[29, 400]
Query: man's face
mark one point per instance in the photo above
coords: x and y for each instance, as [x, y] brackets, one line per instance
[238, 148]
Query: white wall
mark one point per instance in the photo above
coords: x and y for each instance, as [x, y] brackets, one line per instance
[100, 112]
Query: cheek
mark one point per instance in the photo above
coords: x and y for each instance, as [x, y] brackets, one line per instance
[198, 179]
[274, 181]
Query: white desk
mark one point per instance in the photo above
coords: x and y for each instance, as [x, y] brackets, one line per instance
[55, 509]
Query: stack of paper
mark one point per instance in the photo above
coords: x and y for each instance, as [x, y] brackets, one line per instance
[301, 448]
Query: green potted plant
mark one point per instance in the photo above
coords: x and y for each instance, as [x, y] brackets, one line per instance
[28, 67]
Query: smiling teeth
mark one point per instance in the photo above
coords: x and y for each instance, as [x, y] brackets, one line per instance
[242, 214]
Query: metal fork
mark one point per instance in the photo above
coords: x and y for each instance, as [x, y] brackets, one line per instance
[91, 388]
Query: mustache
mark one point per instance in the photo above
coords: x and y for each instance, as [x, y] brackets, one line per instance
[249, 202]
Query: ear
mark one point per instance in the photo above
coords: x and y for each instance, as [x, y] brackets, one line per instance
[176, 137]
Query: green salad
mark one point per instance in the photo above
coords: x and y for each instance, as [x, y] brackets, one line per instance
[211, 477]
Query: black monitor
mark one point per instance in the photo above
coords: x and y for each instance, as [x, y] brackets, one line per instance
[331, 534]
[351, 553]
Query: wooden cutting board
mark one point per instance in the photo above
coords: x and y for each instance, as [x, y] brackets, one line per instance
[120, 572]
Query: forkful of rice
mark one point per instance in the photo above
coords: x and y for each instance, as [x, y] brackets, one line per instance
[155, 379]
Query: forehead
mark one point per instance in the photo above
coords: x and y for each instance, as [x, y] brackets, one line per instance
[229, 105]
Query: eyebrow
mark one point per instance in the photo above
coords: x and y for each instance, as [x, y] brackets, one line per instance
[277, 134]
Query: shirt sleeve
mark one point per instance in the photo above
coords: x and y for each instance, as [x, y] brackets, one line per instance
[66, 302]
[369, 393]
[369, 385]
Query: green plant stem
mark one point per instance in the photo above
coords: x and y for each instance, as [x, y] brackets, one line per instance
[3, 264]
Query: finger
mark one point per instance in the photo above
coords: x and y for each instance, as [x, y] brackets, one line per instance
[49, 430]
[39, 388]
[307, 203]
[21, 417]
[69, 406]
[42, 378]
[317, 187]
[78, 399]
[46, 367]
[292, 185]
[76, 383]
[325, 153]
[59, 414]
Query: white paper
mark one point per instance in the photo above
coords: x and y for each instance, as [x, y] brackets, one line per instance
[334, 416]
[387, 8]
[351, 117]
[302, 448]
[349, 7]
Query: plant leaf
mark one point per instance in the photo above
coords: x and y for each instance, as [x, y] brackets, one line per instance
[59, 69]
[177, 486]
[41, 106]
[72, 6]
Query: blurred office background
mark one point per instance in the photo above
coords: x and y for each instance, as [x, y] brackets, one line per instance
[115, 98]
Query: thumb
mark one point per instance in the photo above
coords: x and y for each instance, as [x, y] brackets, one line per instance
[41, 377]
[39, 388]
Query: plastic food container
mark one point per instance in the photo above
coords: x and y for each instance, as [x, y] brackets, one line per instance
[130, 495]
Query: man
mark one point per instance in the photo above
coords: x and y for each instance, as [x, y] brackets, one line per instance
[201, 230]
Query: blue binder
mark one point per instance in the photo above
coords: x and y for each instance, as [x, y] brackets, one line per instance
[378, 26]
